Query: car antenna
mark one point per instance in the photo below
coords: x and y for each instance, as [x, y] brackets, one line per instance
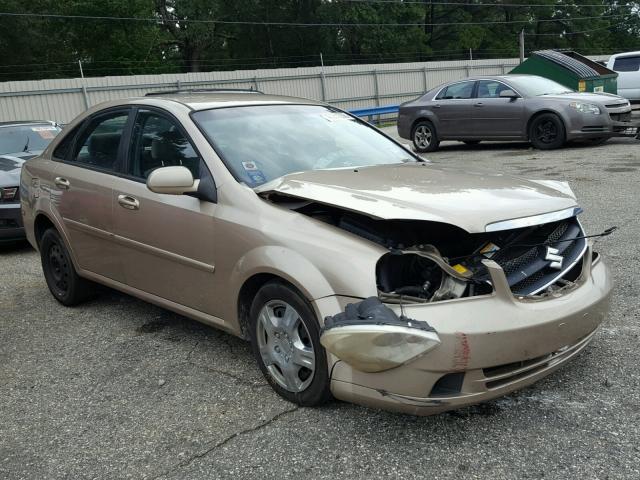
[26, 147]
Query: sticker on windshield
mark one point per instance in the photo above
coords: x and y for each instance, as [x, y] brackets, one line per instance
[335, 116]
[45, 132]
[256, 176]
[249, 166]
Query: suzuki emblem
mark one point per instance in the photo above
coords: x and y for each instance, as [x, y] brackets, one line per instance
[554, 258]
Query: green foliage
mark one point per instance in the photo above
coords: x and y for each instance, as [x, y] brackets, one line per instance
[32, 47]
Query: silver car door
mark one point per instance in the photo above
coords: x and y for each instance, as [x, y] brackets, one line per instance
[494, 116]
[453, 109]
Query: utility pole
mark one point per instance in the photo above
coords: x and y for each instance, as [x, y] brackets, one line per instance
[84, 87]
[470, 54]
[522, 45]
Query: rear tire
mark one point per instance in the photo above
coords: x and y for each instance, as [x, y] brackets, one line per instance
[547, 132]
[424, 137]
[62, 279]
[285, 339]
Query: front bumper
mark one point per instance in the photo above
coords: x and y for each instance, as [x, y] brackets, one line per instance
[602, 126]
[491, 345]
[11, 227]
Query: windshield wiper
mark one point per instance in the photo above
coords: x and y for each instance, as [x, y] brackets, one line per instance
[26, 147]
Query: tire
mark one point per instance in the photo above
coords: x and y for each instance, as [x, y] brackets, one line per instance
[425, 137]
[547, 132]
[471, 142]
[62, 279]
[285, 337]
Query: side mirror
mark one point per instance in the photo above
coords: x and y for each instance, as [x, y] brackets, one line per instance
[508, 94]
[172, 181]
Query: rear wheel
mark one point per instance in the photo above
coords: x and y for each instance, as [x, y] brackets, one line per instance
[547, 132]
[285, 339]
[62, 279]
[425, 137]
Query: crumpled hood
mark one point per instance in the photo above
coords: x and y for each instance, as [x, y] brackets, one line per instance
[423, 191]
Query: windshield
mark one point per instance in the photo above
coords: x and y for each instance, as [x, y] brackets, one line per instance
[261, 143]
[26, 138]
[533, 86]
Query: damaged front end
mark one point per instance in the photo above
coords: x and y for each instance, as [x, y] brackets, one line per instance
[527, 262]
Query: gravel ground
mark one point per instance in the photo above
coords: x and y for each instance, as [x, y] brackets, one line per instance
[118, 388]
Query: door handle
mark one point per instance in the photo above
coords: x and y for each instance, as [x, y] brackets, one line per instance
[62, 183]
[479, 104]
[128, 202]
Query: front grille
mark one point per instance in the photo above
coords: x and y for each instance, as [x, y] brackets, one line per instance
[526, 267]
[621, 117]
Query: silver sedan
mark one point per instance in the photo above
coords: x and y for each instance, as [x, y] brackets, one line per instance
[513, 107]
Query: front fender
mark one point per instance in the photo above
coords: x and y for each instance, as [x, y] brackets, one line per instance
[285, 263]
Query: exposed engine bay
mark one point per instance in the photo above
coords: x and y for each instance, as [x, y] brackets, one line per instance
[429, 261]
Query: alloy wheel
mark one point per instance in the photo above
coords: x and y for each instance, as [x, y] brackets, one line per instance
[285, 346]
[423, 136]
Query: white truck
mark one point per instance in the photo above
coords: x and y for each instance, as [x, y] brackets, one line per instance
[628, 67]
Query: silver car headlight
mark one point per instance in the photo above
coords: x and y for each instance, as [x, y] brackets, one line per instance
[370, 337]
[586, 107]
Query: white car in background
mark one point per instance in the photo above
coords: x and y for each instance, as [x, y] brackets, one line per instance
[628, 67]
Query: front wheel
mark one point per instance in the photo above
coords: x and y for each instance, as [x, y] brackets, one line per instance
[62, 279]
[285, 339]
[425, 137]
[547, 132]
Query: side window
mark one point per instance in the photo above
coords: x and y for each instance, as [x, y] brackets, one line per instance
[456, 91]
[627, 64]
[63, 149]
[158, 142]
[99, 144]
[490, 89]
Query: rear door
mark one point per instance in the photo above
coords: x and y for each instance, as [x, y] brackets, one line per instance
[453, 107]
[494, 116]
[82, 187]
[167, 241]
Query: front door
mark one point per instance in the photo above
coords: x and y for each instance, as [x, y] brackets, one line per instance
[453, 106]
[494, 116]
[82, 191]
[167, 241]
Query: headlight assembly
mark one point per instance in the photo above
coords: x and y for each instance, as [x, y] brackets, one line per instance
[370, 337]
[586, 107]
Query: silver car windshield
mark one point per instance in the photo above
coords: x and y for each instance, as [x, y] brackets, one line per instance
[534, 86]
[261, 143]
[26, 138]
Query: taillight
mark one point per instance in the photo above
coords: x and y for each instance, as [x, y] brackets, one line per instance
[8, 194]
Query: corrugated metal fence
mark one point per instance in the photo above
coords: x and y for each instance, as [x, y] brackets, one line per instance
[346, 86]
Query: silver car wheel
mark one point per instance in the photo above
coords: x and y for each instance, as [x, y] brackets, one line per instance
[422, 136]
[285, 346]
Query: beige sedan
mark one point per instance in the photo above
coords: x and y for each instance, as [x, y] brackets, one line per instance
[356, 269]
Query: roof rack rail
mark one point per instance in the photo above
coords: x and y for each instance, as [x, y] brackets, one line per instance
[204, 90]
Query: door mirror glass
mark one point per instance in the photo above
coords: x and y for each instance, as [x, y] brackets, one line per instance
[175, 180]
[508, 94]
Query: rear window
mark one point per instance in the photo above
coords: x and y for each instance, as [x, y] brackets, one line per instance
[627, 64]
[457, 91]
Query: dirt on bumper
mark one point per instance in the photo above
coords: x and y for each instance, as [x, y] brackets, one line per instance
[491, 345]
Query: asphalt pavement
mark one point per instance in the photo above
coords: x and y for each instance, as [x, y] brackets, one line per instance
[118, 388]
